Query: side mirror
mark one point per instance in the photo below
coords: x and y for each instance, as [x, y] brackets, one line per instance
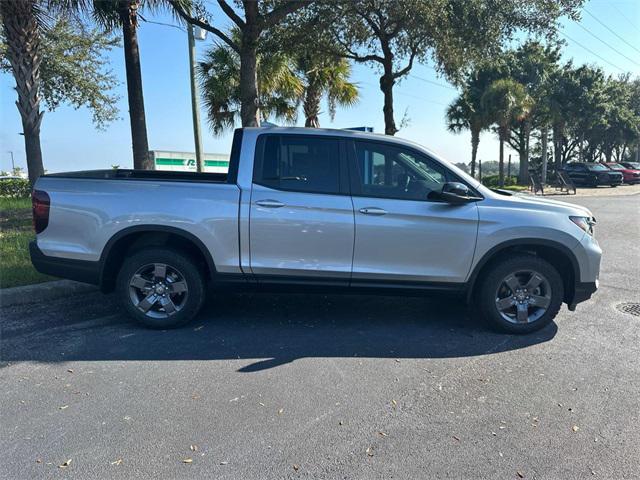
[456, 192]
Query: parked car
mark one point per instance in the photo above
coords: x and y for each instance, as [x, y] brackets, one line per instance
[631, 165]
[318, 210]
[629, 175]
[592, 174]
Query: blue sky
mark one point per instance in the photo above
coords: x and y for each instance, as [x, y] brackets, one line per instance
[70, 142]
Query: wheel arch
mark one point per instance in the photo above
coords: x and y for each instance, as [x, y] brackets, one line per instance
[138, 236]
[560, 256]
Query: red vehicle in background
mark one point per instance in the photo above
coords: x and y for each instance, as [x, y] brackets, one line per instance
[629, 175]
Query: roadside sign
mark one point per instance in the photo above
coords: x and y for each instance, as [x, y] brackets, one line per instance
[186, 161]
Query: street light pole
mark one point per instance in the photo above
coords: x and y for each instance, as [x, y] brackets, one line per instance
[195, 104]
[13, 165]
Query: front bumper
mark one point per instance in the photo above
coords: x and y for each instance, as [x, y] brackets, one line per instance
[78, 270]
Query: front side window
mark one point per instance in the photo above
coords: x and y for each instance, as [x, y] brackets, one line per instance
[392, 172]
[298, 163]
[596, 167]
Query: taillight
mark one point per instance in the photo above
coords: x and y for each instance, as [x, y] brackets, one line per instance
[40, 202]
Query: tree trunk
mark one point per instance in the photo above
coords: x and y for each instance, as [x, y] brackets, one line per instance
[523, 170]
[249, 107]
[129, 20]
[501, 162]
[386, 86]
[23, 42]
[557, 146]
[311, 106]
[475, 141]
[545, 135]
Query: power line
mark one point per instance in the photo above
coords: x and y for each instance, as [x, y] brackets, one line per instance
[589, 50]
[625, 17]
[431, 82]
[601, 23]
[607, 44]
[408, 95]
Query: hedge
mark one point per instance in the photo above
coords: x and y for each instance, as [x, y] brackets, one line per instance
[15, 188]
[493, 181]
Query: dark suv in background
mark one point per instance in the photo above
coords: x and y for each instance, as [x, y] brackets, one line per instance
[592, 174]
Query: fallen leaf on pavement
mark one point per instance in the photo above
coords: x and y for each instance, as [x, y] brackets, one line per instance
[63, 407]
[194, 448]
[261, 404]
[117, 462]
[369, 451]
[455, 438]
[296, 467]
[187, 460]
[224, 463]
[382, 434]
[281, 411]
[38, 460]
[520, 474]
[394, 403]
[575, 428]
[70, 370]
[65, 464]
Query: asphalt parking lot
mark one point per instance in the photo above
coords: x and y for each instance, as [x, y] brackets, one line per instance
[328, 387]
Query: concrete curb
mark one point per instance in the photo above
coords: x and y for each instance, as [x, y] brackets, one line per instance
[41, 292]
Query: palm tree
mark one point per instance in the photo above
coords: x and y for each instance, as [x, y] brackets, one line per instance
[279, 90]
[505, 101]
[324, 75]
[22, 21]
[466, 114]
[123, 14]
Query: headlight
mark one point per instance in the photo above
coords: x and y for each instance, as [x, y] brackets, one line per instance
[584, 223]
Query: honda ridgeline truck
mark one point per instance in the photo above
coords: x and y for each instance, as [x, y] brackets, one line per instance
[317, 209]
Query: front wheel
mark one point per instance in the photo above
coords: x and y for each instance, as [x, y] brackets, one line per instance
[160, 287]
[521, 294]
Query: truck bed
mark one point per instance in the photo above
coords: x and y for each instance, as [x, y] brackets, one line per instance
[156, 175]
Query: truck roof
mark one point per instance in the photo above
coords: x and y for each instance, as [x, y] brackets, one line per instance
[335, 132]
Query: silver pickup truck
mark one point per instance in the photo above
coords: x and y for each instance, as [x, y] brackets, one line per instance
[321, 210]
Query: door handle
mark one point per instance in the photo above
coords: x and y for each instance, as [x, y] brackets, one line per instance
[373, 211]
[270, 203]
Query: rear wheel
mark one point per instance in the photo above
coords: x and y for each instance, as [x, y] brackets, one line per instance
[521, 294]
[161, 288]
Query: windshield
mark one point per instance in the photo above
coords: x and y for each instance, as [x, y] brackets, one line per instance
[634, 165]
[615, 166]
[597, 167]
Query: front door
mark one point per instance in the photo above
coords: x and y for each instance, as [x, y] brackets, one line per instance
[301, 222]
[401, 233]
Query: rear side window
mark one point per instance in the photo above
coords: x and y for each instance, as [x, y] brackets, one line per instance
[298, 163]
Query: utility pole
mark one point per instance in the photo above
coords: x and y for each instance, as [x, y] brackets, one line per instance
[545, 138]
[13, 165]
[195, 104]
[509, 169]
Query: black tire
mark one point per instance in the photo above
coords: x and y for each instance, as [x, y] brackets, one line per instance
[492, 281]
[179, 267]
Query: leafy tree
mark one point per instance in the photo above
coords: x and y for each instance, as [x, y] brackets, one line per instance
[279, 90]
[505, 102]
[392, 34]
[54, 62]
[259, 17]
[531, 64]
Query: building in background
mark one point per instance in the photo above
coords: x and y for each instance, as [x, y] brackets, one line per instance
[186, 161]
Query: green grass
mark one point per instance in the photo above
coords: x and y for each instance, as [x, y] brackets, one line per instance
[15, 234]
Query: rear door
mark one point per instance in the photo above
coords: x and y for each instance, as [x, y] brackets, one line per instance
[301, 215]
[403, 235]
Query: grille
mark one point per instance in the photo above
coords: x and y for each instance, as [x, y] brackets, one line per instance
[630, 308]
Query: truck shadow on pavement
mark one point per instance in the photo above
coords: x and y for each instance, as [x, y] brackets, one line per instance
[267, 330]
